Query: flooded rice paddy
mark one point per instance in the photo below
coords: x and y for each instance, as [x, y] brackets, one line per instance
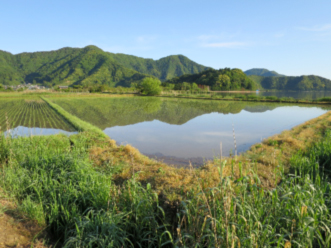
[182, 130]
[19, 117]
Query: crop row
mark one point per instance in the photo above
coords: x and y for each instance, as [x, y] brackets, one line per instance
[32, 114]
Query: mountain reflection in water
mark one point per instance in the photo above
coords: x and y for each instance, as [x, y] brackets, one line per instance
[182, 130]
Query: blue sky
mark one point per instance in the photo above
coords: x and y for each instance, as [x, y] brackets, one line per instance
[291, 37]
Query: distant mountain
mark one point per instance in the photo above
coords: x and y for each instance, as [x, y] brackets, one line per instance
[310, 82]
[88, 66]
[222, 79]
[164, 68]
[263, 72]
[65, 66]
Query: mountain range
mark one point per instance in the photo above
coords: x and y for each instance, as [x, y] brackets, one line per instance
[89, 65]
[271, 80]
[262, 72]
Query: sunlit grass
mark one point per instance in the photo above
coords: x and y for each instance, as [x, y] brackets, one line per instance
[89, 192]
[56, 184]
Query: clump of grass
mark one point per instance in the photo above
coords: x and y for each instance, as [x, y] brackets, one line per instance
[243, 214]
[59, 187]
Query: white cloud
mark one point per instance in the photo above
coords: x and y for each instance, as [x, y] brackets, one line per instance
[233, 44]
[317, 28]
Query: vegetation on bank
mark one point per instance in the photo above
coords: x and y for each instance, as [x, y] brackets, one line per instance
[239, 97]
[60, 182]
[79, 124]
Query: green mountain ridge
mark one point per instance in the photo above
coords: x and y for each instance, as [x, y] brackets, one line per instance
[309, 82]
[88, 65]
[262, 72]
[164, 68]
[271, 80]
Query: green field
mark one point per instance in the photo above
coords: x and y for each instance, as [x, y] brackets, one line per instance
[31, 113]
[85, 191]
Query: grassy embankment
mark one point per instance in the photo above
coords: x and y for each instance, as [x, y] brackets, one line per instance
[90, 193]
[242, 97]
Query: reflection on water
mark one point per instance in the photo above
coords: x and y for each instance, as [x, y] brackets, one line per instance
[32, 131]
[307, 95]
[179, 130]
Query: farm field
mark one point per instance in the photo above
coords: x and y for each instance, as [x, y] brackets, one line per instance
[89, 192]
[179, 131]
[30, 116]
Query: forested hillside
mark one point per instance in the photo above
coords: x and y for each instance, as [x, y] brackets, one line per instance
[263, 72]
[222, 79]
[293, 83]
[86, 66]
[91, 65]
[164, 68]
[65, 66]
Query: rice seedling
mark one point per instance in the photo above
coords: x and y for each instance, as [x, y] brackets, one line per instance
[31, 113]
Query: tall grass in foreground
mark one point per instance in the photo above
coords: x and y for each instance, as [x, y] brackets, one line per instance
[55, 183]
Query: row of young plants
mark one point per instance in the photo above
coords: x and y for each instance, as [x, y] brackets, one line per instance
[55, 183]
[36, 113]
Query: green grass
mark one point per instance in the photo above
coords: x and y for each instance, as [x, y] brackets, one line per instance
[55, 183]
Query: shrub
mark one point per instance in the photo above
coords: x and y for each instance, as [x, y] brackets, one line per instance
[150, 86]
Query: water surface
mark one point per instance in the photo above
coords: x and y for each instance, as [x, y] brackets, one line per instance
[304, 95]
[182, 130]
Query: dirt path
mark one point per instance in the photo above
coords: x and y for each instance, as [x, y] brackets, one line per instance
[15, 231]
